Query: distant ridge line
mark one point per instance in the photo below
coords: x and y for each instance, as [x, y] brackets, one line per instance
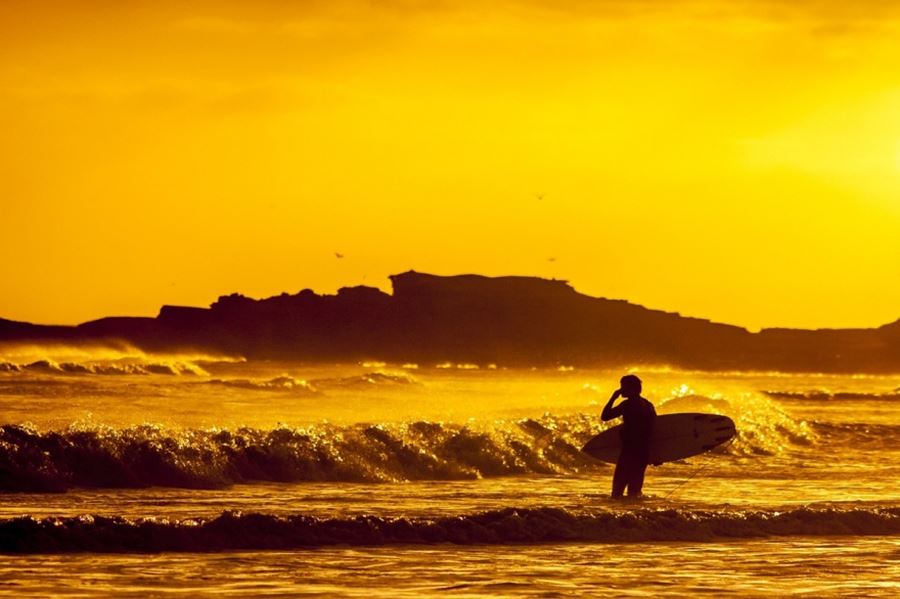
[509, 320]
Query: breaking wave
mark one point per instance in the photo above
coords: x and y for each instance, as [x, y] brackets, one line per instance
[279, 383]
[238, 531]
[369, 379]
[286, 382]
[283, 382]
[763, 428]
[151, 455]
[46, 366]
[859, 435]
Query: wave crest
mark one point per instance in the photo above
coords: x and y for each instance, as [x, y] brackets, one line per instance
[763, 428]
[286, 382]
[47, 366]
[150, 455]
[368, 379]
[238, 531]
[279, 383]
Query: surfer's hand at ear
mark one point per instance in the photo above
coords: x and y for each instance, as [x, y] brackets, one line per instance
[616, 394]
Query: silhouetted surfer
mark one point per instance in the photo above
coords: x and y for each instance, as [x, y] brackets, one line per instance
[638, 415]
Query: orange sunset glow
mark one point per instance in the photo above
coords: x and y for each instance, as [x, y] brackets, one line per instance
[401, 298]
[738, 161]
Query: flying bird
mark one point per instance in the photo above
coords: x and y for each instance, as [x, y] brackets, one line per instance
[338, 255]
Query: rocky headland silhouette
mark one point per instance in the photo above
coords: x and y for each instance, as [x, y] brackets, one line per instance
[509, 321]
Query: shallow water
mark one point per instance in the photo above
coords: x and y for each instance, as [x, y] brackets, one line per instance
[478, 468]
[826, 567]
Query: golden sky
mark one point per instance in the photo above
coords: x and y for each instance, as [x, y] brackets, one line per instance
[734, 160]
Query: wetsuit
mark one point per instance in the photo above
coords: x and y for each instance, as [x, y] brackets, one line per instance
[638, 415]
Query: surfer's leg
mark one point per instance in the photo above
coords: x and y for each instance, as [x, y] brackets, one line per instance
[636, 477]
[620, 476]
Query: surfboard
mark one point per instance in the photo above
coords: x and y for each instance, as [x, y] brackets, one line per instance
[675, 437]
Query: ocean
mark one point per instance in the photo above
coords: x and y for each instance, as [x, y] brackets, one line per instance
[134, 475]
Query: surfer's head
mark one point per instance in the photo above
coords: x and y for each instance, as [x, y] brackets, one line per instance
[630, 385]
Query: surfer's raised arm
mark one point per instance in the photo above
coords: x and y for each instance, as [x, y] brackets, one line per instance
[610, 412]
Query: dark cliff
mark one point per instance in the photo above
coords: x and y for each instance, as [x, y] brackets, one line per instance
[472, 318]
